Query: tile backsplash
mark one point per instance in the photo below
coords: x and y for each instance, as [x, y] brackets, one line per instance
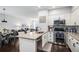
[72, 29]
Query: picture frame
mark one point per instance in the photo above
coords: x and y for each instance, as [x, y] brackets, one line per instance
[42, 19]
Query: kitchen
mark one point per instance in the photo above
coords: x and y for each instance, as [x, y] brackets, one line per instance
[39, 29]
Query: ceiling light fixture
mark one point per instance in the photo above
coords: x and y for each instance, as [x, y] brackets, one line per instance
[39, 6]
[53, 6]
[4, 21]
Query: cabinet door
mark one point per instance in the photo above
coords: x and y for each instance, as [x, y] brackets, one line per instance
[76, 45]
[77, 48]
[26, 45]
[69, 40]
[73, 43]
[70, 43]
[44, 39]
[50, 37]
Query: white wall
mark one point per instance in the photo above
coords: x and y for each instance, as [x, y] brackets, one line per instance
[15, 21]
[17, 15]
[63, 13]
[75, 15]
[51, 15]
[43, 26]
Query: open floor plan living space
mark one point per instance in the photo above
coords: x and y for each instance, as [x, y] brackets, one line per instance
[39, 28]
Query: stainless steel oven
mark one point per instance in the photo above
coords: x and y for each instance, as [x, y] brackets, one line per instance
[59, 29]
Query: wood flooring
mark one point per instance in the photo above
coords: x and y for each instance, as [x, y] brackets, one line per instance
[15, 48]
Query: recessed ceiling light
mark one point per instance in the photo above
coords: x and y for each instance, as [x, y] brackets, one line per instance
[53, 6]
[39, 6]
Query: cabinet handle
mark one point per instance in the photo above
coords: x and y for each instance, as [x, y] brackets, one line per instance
[77, 43]
[74, 44]
[38, 39]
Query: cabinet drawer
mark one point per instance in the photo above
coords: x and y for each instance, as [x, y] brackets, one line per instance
[50, 39]
[50, 36]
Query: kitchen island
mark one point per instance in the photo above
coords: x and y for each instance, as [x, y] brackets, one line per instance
[30, 41]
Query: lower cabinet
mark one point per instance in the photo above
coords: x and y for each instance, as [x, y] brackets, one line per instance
[47, 37]
[72, 43]
[26, 45]
[76, 45]
[44, 39]
[77, 48]
[50, 37]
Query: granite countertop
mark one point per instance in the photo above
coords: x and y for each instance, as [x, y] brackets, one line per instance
[74, 35]
[30, 35]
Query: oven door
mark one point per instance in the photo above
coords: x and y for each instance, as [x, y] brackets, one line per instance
[59, 37]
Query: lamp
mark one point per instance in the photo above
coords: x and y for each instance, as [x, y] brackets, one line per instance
[4, 21]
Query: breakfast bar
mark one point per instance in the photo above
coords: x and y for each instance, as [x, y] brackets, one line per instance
[30, 42]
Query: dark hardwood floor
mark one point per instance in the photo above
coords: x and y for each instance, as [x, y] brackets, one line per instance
[60, 48]
[15, 48]
[11, 47]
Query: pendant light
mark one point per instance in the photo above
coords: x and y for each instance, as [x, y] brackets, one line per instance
[4, 20]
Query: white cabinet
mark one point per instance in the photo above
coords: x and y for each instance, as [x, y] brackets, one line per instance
[47, 37]
[50, 37]
[44, 39]
[26, 45]
[76, 45]
[72, 43]
[69, 42]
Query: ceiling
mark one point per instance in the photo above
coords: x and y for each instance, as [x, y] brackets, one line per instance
[20, 10]
[26, 11]
[51, 7]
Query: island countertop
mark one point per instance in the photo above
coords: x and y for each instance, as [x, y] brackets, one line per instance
[30, 35]
[74, 35]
